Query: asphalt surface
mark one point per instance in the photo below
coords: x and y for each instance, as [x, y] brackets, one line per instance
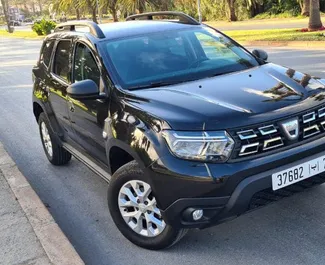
[291, 231]
[20, 28]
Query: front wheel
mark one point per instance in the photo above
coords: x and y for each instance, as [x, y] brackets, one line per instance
[134, 210]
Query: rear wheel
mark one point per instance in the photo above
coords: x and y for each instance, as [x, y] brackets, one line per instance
[55, 153]
[134, 210]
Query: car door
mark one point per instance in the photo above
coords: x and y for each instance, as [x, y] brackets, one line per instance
[57, 83]
[87, 116]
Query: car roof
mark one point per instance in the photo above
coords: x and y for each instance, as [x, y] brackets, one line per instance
[138, 27]
[120, 30]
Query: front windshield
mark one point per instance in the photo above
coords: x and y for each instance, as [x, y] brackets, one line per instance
[174, 57]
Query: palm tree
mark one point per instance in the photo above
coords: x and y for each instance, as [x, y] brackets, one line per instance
[92, 5]
[112, 7]
[232, 10]
[5, 5]
[254, 7]
[66, 5]
[305, 7]
[315, 22]
[137, 6]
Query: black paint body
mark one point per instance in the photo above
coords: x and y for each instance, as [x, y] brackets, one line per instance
[133, 122]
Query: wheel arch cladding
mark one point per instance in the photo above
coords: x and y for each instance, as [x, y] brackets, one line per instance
[37, 110]
[118, 157]
[120, 152]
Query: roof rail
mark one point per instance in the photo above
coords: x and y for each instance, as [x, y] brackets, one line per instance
[71, 26]
[183, 18]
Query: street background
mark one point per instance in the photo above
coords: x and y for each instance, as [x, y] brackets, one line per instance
[291, 231]
[224, 25]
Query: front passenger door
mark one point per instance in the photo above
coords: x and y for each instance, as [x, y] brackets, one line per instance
[87, 116]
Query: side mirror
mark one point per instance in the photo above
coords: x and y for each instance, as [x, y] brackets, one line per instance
[86, 89]
[260, 54]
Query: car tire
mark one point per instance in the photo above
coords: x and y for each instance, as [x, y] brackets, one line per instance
[55, 153]
[130, 173]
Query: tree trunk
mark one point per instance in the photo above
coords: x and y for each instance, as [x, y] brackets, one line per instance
[141, 6]
[33, 7]
[305, 8]
[93, 8]
[94, 14]
[315, 22]
[232, 11]
[78, 13]
[40, 6]
[113, 11]
[4, 4]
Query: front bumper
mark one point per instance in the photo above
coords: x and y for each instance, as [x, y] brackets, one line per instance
[223, 196]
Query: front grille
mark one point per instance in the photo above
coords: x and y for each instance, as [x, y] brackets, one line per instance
[268, 196]
[273, 136]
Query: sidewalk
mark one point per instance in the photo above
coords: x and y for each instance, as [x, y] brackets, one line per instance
[28, 233]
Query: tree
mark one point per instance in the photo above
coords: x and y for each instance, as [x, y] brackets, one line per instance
[315, 22]
[92, 5]
[5, 6]
[67, 5]
[232, 10]
[137, 6]
[112, 7]
[254, 7]
[305, 8]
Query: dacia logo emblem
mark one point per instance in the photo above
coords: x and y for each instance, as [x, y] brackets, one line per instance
[290, 128]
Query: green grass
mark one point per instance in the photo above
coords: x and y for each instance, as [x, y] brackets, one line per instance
[281, 15]
[20, 34]
[275, 35]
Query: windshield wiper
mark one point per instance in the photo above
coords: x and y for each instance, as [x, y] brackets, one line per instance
[154, 84]
[161, 84]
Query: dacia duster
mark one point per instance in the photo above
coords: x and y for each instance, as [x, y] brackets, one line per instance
[188, 127]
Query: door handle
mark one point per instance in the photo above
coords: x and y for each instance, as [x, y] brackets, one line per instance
[71, 106]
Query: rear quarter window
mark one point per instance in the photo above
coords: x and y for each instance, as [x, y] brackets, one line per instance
[62, 60]
[46, 52]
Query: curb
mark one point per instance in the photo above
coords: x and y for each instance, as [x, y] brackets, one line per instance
[55, 244]
[302, 44]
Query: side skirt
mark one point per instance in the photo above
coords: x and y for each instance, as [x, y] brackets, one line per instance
[90, 163]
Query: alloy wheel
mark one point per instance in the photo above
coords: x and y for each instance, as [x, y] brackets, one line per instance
[139, 209]
[46, 139]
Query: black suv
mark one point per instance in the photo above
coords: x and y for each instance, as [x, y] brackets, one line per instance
[189, 128]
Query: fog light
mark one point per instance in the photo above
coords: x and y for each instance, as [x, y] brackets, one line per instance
[197, 214]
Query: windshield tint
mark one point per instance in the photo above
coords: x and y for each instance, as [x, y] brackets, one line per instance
[175, 56]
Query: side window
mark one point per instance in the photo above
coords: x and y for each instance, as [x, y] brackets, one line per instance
[61, 66]
[85, 66]
[47, 52]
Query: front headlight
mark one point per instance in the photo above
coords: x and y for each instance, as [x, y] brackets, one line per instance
[202, 146]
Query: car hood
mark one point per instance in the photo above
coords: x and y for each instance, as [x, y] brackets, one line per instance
[257, 95]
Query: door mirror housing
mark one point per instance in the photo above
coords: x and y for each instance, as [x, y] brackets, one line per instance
[85, 89]
[260, 54]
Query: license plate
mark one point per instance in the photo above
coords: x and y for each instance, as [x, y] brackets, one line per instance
[298, 173]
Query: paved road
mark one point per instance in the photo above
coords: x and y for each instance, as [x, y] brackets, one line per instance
[289, 232]
[20, 28]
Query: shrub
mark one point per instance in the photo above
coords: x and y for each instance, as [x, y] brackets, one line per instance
[43, 27]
